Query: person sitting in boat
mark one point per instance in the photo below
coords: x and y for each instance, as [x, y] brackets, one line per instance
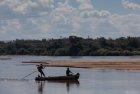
[40, 67]
[68, 72]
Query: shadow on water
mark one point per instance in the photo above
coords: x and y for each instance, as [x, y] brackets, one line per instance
[41, 84]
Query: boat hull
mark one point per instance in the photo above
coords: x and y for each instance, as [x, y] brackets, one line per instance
[59, 78]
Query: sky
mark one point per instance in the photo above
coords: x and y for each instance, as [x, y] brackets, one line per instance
[37, 19]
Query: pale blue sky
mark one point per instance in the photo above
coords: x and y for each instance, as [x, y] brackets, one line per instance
[37, 19]
[115, 6]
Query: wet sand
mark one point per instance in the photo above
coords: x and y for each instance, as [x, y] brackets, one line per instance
[132, 64]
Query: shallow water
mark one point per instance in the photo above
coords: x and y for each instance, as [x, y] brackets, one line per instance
[91, 81]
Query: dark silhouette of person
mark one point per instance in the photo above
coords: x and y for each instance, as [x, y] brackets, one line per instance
[40, 67]
[68, 72]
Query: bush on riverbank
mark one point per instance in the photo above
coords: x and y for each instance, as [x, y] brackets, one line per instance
[73, 46]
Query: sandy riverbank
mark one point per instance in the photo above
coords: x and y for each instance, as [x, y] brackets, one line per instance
[132, 64]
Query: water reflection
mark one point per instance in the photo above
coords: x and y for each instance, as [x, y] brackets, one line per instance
[69, 84]
[41, 85]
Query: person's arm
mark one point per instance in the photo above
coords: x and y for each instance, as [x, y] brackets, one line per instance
[44, 66]
[71, 72]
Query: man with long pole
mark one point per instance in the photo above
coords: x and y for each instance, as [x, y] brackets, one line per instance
[40, 67]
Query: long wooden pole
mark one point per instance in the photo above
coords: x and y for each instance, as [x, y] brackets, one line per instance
[29, 74]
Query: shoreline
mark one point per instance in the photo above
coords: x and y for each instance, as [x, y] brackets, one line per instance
[132, 64]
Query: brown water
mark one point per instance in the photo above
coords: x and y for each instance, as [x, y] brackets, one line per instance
[91, 81]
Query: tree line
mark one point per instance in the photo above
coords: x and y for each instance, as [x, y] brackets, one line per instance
[73, 46]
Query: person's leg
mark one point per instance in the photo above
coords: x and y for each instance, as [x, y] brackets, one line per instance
[42, 73]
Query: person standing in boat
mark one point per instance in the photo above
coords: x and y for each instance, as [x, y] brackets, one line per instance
[40, 67]
[68, 72]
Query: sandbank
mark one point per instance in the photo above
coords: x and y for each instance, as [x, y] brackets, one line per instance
[127, 64]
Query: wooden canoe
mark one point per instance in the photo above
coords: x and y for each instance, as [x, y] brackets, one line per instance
[55, 78]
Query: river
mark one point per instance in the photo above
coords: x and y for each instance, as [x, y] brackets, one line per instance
[91, 81]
